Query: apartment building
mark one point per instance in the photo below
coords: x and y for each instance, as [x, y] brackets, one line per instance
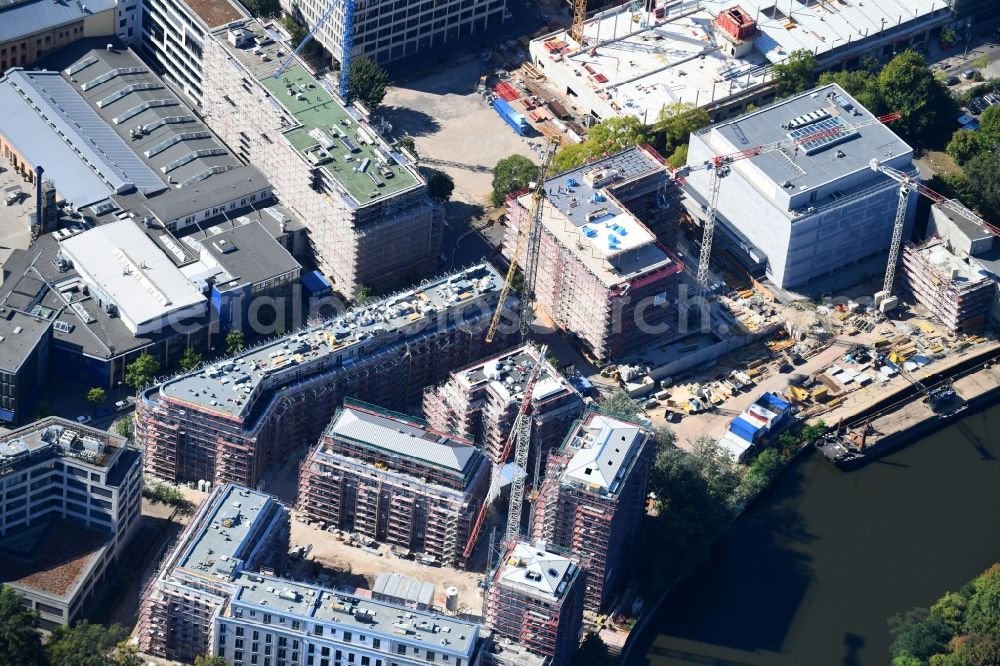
[392, 478]
[230, 421]
[603, 276]
[372, 221]
[234, 530]
[218, 593]
[481, 401]
[798, 213]
[71, 499]
[535, 599]
[24, 364]
[390, 31]
[593, 499]
[960, 293]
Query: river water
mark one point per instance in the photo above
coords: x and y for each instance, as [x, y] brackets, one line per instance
[809, 575]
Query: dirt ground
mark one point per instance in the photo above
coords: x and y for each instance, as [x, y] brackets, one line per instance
[357, 566]
[454, 129]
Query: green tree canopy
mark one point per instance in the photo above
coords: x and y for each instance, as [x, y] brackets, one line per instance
[605, 138]
[910, 88]
[408, 143]
[366, 81]
[621, 406]
[125, 427]
[592, 652]
[365, 294]
[235, 342]
[439, 184]
[190, 360]
[797, 73]
[989, 129]
[983, 178]
[983, 613]
[141, 371]
[263, 8]
[918, 634]
[963, 146]
[85, 644]
[570, 156]
[679, 157]
[951, 609]
[207, 660]
[96, 396]
[677, 121]
[20, 642]
[510, 175]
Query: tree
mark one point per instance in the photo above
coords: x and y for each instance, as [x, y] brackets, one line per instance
[125, 427]
[570, 156]
[207, 660]
[141, 371]
[679, 157]
[678, 121]
[190, 360]
[408, 143]
[963, 146]
[125, 654]
[439, 184]
[762, 472]
[989, 129]
[592, 652]
[797, 73]
[364, 295]
[859, 84]
[85, 644]
[951, 609]
[366, 82]
[621, 406]
[983, 613]
[918, 634]
[297, 31]
[263, 8]
[910, 88]
[617, 134]
[235, 342]
[983, 178]
[510, 175]
[96, 396]
[20, 642]
[813, 431]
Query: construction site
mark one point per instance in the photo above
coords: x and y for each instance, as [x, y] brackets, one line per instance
[481, 402]
[229, 421]
[593, 499]
[372, 223]
[391, 478]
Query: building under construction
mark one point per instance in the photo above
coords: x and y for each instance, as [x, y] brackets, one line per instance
[371, 220]
[958, 292]
[229, 421]
[593, 498]
[392, 478]
[481, 402]
[602, 273]
[535, 599]
[235, 529]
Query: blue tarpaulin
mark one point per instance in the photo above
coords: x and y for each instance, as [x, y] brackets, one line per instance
[774, 402]
[315, 283]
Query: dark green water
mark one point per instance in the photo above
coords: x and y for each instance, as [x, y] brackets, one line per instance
[810, 574]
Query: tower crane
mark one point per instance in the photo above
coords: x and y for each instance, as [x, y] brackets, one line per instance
[519, 439]
[720, 168]
[528, 235]
[908, 184]
[347, 43]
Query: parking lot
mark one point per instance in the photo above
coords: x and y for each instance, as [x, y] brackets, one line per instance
[454, 129]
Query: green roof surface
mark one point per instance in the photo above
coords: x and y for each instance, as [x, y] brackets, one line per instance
[318, 109]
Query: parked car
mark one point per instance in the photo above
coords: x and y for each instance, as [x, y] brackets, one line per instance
[952, 80]
[991, 99]
[974, 108]
[83, 419]
[970, 73]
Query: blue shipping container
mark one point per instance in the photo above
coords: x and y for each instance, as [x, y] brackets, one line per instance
[745, 430]
[516, 120]
[774, 402]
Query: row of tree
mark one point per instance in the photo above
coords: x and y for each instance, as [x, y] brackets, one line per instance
[83, 644]
[961, 629]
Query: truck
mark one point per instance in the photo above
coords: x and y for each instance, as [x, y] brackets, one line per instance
[516, 120]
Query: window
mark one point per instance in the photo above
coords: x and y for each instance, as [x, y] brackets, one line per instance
[401, 649]
[376, 643]
[365, 661]
[430, 656]
[347, 637]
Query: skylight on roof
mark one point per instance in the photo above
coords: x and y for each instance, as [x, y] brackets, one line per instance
[817, 136]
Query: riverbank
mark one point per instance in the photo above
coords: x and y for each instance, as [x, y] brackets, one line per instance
[978, 385]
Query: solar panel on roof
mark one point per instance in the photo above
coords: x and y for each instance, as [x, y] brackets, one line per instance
[820, 135]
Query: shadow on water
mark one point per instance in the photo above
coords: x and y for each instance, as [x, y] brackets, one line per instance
[760, 568]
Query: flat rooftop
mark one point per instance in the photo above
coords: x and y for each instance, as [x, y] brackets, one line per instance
[238, 251]
[52, 557]
[357, 613]
[56, 436]
[324, 132]
[826, 112]
[19, 335]
[539, 572]
[507, 374]
[221, 539]
[402, 436]
[643, 64]
[216, 12]
[125, 264]
[230, 387]
[952, 268]
[584, 216]
[603, 451]
[26, 17]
